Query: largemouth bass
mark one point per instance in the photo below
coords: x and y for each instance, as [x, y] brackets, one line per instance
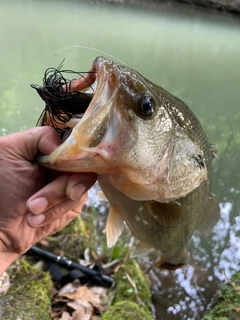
[152, 157]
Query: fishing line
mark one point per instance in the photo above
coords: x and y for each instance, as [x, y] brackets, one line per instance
[93, 49]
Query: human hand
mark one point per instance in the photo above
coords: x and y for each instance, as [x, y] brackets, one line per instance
[34, 201]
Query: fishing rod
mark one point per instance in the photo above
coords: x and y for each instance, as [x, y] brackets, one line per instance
[95, 277]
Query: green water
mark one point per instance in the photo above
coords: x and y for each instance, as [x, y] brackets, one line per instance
[191, 53]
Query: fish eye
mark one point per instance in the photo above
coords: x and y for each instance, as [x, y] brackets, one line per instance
[146, 105]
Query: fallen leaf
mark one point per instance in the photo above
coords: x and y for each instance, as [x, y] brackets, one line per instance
[68, 288]
[80, 304]
[65, 316]
[83, 293]
[80, 315]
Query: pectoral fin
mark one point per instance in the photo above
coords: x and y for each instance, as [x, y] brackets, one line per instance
[114, 226]
[164, 213]
[210, 217]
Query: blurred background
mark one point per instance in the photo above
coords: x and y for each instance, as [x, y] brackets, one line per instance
[189, 51]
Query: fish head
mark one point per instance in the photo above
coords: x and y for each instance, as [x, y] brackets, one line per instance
[128, 134]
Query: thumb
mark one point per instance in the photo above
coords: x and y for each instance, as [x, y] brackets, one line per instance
[37, 140]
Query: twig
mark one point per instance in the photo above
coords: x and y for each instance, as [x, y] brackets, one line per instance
[133, 284]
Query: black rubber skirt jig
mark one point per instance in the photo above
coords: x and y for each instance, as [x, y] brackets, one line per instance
[61, 103]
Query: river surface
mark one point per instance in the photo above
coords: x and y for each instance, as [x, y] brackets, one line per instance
[192, 53]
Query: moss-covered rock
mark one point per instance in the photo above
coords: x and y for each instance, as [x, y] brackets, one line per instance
[126, 310]
[133, 298]
[132, 284]
[29, 296]
[226, 305]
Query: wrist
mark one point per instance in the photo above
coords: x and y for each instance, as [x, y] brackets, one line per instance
[6, 259]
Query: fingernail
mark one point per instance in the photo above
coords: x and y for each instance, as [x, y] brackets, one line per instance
[35, 220]
[38, 205]
[77, 191]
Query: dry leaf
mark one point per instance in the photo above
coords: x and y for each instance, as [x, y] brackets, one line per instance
[80, 315]
[66, 316]
[80, 304]
[68, 288]
[99, 290]
[83, 293]
[84, 301]
[80, 311]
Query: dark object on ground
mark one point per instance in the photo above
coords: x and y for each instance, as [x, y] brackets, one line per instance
[94, 276]
[60, 278]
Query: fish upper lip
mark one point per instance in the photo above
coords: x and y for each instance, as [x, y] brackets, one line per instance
[100, 70]
[105, 73]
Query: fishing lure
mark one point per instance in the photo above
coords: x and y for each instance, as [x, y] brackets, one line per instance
[61, 103]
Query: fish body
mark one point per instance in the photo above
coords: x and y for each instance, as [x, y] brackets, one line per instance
[152, 157]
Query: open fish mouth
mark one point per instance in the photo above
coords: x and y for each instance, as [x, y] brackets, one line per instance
[66, 99]
[97, 110]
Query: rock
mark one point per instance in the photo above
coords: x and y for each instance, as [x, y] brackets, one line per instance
[29, 296]
[132, 284]
[133, 297]
[126, 310]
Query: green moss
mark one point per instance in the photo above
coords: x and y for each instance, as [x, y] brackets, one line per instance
[126, 310]
[132, 294]
[76, 226]
[137, 291]
[72, 240]
[86, 231]
[226, 305]
[29, 296]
